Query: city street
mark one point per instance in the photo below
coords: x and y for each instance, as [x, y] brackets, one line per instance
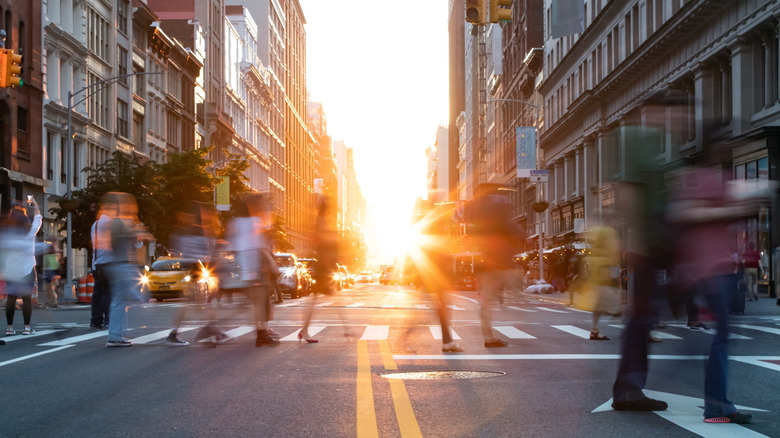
[377, 370]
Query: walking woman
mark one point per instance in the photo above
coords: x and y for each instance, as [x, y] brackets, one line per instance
[125, 271]
[17, 267]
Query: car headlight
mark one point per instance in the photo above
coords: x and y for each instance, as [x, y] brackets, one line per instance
[288, 274]
[144, 280]
[187, 278]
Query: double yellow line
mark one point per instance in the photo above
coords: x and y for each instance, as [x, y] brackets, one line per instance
[366, 413]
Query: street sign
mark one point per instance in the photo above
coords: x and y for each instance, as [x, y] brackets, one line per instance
[579, 225]
[539, 175]
[223, 194]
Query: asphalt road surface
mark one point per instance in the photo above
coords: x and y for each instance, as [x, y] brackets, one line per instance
[377, 371]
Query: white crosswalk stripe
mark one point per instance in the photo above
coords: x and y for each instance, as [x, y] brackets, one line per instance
[774, 331]
[576, 331]
[75, 339]
[512, 333]
[521, 309]
[146, 339]
[710, 332]
[654, 333]
[357, 305]
[34, 335]
[376, 333]
[437, 334]
[313, 330]
[547, 309]
[289, 332]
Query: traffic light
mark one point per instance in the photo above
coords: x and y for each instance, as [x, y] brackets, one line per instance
[497, 13]
[3, 67]
[476, 11]
[13, 69]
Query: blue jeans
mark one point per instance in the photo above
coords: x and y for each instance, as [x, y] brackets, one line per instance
[125, 291]
[717, 290]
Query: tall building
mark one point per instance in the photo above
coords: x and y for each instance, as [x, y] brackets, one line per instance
[270, 18]
[519, 104]
[64, 68]
[299, 153]
[438, 167]
[249, 96]
[721, 58]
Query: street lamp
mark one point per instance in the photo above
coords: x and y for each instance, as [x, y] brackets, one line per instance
[104, 83]
[540, 205]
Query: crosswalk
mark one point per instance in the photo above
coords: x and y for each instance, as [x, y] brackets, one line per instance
[70, 336]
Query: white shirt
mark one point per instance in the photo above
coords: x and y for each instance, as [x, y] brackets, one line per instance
[19, 251]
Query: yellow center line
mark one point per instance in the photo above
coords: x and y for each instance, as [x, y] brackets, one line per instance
[366, 414]
[407, 421]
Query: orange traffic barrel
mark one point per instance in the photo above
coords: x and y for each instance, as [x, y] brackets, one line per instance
[90, 287]
[82, 291]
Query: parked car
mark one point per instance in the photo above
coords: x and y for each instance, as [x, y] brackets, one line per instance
[366, 277]
[308, 266]
[292, 275]
[175, 277]
[389, 275]
[344, 279]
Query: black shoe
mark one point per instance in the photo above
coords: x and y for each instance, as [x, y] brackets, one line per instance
[495, 343]
[737, 418]
[263, 338]
[596, 336]
[2, 342]
[643, 404]
[173, 340]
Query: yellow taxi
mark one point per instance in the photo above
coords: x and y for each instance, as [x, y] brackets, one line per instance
[175, 277]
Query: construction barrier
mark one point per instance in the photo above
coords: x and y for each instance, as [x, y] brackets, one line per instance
[90, 287]
[82, 291]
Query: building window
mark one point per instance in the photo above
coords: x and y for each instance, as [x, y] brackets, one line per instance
[63, 154]
[138, 129]
[122, 119]
[121, 16]
[121, 55]
[49, 156]
[97, 103]
[97, 34]
[22, 133]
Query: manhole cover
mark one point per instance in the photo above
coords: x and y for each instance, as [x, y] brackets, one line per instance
[438, 375]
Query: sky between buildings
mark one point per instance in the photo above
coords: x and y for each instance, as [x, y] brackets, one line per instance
[380, 70]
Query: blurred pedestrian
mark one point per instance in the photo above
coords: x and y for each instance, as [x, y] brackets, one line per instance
[603, 266]
[125, 271]
[17, 248]
[51, 275]
[499, 238]
[704, 212]
[246, 237]
[433, 265]
[194, 237]
[753, 270]
[326, 249]
[102, 256]
[641, 198]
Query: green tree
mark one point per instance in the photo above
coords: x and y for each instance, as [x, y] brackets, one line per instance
[183, 179]
[120, 173]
